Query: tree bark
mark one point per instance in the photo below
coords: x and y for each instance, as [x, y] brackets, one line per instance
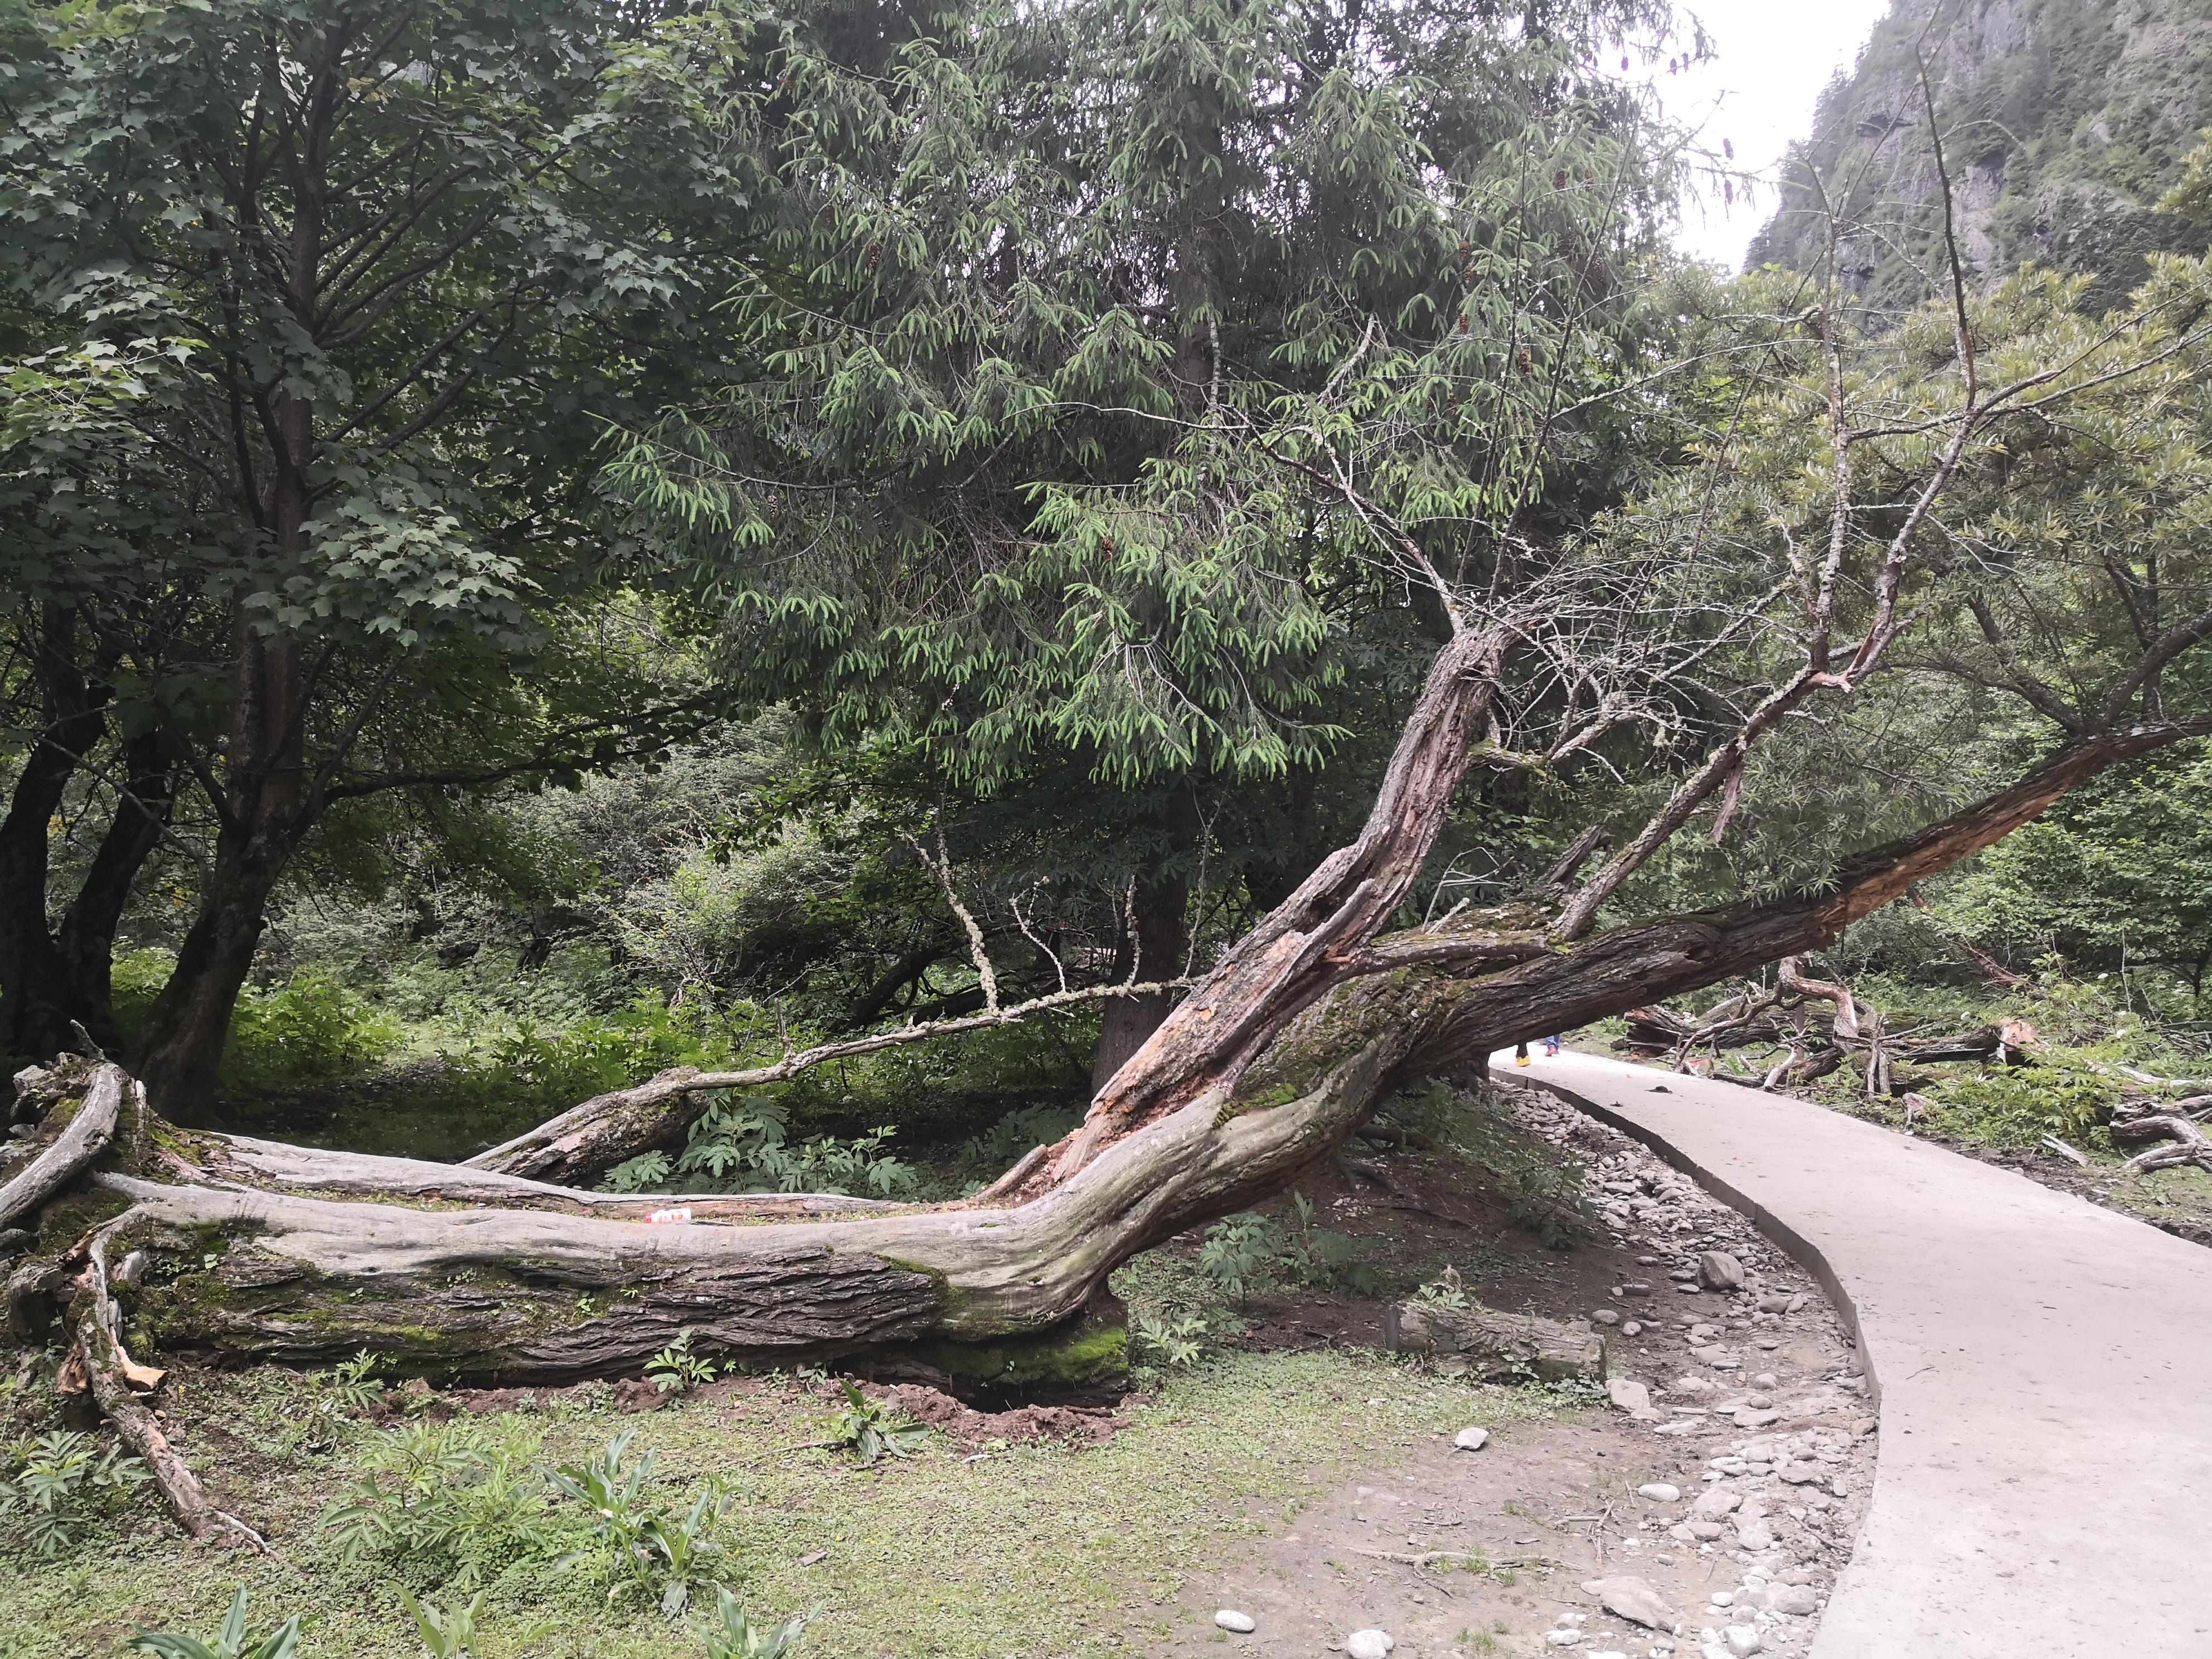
[38, 994]
[86, 938]
[1152, 948]
[179, 1047]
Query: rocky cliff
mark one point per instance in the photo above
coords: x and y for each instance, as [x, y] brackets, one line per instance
[2062, 123]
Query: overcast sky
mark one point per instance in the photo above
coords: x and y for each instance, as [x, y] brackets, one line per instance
[1774, 57]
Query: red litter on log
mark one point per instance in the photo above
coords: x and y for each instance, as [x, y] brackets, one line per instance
[665, 1217]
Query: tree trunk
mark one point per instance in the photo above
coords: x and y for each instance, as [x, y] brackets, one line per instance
[87, 935]
[38, 995]
[179, 1047]
[1152, 947]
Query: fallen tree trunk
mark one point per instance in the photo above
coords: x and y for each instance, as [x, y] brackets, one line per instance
[245, 1249]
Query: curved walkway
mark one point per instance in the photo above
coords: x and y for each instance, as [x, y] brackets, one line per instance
[2044, 1369]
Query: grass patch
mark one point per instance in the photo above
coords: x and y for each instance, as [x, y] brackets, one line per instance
[1036, 1551]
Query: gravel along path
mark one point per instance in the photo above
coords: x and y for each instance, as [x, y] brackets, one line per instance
[1705, 1511]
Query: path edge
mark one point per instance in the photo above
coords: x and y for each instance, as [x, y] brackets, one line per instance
[1777, 1232]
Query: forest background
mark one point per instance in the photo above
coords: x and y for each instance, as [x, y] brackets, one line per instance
[702, 489]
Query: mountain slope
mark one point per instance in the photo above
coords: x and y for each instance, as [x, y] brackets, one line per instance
[2062, 122]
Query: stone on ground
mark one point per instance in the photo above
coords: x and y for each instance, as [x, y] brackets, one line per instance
[1629, 1395]
[1370, 1644]
[1632, 1599]
[1471, 1439]
[1229, 1619]
[1660, 1492]
[1719, 1270]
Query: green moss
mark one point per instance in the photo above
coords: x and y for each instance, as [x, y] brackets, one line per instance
[73, 1215]
[1089, 1351]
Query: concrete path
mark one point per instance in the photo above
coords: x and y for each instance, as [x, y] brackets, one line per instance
[2043, 1370]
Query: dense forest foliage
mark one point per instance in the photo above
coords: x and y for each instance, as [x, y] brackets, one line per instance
[548, 542]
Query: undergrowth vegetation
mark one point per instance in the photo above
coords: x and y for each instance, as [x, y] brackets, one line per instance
[554, 1525]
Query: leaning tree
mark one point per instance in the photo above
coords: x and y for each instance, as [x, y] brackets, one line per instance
[1992, 509]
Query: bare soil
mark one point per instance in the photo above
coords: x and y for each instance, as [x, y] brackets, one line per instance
[1488, 1552]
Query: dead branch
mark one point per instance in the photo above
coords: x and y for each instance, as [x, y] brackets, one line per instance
[2185, 1143]
[72, 1151]
[590, 1139]
[116, 1380]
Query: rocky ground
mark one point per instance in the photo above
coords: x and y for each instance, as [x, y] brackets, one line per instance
[1706, 1512]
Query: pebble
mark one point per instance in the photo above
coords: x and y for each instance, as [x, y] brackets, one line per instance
[1754, 1536]
[1370, 1644]
[1753, 1417]
[1660, 1492]
[1229, 1619]
[1713, 1504]
[1742, 1640]
[1562, 1638]
[1632, 1327]
[1606, 1316]
[1471, 1439]
[1773, 1304]
[1802, 1474]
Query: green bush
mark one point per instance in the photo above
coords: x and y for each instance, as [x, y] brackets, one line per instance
[310, 1028]
[2017, 1105]
[449, 1503]
[60, 1484]
[740, 1145]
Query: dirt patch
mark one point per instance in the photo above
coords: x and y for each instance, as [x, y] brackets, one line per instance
[1080, 1425]
[1755, 1406]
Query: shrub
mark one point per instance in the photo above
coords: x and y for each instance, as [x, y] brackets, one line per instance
[311, 1028]
[735, 1636]
[871, 1431]
[739, 1144]
[449, 1502]
[635, 1544]
[61, 1483]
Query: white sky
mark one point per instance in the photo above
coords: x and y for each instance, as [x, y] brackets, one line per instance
[1774, 57]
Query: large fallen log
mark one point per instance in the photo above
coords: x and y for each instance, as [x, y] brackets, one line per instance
[243, 1248]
